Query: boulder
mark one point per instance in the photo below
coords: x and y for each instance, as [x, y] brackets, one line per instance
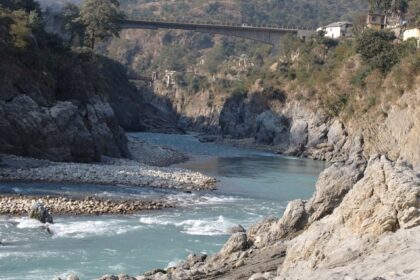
[356, 236]
[236, 229]
[39, 212]
[237, 242]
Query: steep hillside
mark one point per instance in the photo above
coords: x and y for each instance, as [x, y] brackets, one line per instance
[292, 13]
[286, 97]
[148, 51]
[63, 104]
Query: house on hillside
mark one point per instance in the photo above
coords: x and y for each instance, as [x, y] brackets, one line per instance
[376, 21]
[413, 33]
[337, 29]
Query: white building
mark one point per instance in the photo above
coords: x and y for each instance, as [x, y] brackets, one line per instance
[337, 29]
[412, 33]
[169, 78]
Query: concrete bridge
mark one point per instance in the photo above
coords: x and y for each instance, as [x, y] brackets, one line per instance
[269, 34]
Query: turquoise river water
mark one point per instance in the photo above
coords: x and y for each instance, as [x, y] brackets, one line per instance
[253, 185]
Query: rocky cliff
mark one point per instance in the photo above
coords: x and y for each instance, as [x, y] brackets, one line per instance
[66, 104]
[361, 223]
[363, 220]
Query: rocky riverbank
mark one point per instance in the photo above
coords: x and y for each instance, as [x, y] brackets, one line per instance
[361, 210]
[109, 172]
[62, 205]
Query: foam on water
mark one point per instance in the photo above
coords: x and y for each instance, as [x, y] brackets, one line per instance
[174, 262]
[208, 227]
[83, 229]
[195, 199]
[252, 186]
[27, 223]
[28, 255]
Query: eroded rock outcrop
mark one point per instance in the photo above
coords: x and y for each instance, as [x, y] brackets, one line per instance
[385, 200]
[62, 132]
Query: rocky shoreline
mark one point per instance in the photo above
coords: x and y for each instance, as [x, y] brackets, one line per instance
[62, 205]
[361, 209]
[363, 221]
[109, 172]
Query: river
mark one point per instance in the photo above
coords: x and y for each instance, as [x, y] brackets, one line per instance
[253, 185]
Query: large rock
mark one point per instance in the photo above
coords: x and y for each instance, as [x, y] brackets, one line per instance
[299, 133]
[237, 242]
[272, 129]
[385, 200]
[63, 132]
[335, 182]
[39, 212]
[238, 116]
[331, 188]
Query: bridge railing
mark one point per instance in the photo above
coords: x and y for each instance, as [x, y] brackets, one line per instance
[136, 17]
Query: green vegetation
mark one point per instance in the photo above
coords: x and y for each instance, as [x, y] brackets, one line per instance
[377, 49]
[100, 18]
[72, 23]
[25, 5]
[309, 13]
[343, 77]
[413, 13]
[389, 6]
[33, 61]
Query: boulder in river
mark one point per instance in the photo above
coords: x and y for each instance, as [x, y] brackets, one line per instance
[39, 212]
[236, 229]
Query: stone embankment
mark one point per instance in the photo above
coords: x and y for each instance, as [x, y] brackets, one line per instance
[110, 172]
[21, 205]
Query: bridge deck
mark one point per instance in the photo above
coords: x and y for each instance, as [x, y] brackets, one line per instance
[185, 24]
[270, 34]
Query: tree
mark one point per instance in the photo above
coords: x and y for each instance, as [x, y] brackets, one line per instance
[413, 12]
[26, 5]
[72, 24]
[100, 17]
[377, 49]
[390, 7]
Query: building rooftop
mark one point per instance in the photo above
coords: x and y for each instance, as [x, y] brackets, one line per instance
[338, 24]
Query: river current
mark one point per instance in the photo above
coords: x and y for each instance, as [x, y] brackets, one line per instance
[253, 185]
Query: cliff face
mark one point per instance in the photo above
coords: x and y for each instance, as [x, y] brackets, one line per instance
[132, 110]
[363, 220]
[62, 132]
[361, 223]
[65, 104]
[56, 115]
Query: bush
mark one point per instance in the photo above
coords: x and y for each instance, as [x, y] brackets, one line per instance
[359, 77]
[334, 104]
[377, 49]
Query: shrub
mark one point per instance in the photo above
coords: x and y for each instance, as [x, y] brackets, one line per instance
[358, 79]
[334, 104]
[377, 49]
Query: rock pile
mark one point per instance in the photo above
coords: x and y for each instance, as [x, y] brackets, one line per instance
[116, 172]
[154, 155]
[18, 205]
